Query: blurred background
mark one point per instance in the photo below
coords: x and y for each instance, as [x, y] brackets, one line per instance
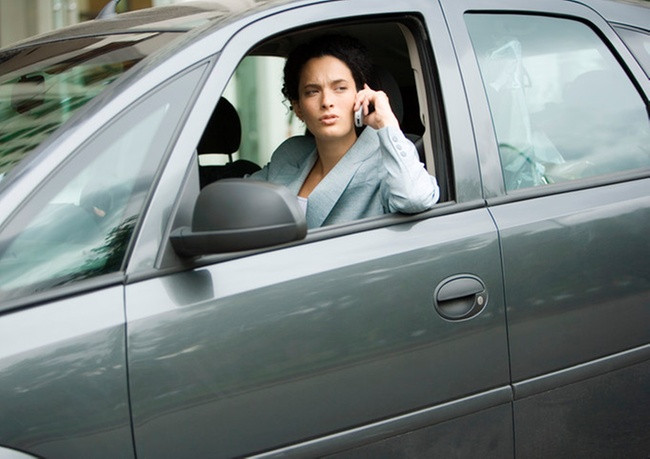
[24, 18]
[20, 19]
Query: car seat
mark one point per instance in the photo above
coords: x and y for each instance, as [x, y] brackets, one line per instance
[222, 135]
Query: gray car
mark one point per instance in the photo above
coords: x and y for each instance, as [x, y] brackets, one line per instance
[155, 303]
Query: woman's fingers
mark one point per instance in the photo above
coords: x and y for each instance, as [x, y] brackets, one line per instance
[382, 114]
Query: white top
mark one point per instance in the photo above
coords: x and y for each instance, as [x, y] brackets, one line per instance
[303, 204]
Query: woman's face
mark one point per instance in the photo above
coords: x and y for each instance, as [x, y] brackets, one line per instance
[326, 98]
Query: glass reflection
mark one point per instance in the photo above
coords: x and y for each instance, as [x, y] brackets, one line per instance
[42, 86]
[562, 106]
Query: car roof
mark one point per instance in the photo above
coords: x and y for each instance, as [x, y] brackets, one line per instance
[186, 16]
[634, 13]
[181, 17]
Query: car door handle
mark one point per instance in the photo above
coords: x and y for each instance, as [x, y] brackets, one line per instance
[460, 297]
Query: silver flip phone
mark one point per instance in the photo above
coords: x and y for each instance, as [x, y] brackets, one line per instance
[358, 117]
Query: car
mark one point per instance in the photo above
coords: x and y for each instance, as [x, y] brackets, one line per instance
[154, 302]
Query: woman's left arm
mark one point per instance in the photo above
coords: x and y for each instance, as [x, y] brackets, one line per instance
[407, 186]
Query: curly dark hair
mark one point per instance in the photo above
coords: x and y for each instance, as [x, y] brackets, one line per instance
[345, 48]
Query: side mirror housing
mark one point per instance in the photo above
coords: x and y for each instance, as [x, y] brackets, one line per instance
[238, 214]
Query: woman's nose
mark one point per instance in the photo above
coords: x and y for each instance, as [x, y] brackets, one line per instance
[326, 100]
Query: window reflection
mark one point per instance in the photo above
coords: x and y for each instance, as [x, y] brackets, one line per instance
[42, 86]
[562, 106]
[79, 223]
[83, 231]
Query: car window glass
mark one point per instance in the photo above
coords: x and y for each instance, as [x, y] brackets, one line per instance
[79, 224]
[42, 85]
[639, 43]
[562, 106]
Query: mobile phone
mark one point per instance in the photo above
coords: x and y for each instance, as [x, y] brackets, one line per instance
[358, 115]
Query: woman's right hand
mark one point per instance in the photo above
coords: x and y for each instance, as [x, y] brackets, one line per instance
[382, 115]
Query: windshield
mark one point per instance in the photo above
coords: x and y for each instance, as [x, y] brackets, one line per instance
[42, 85]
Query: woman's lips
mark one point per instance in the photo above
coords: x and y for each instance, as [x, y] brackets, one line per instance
[328, 119]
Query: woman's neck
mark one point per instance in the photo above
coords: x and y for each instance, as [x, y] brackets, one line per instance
[330, 152]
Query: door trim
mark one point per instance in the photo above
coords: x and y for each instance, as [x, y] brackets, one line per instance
[580, 372]
[395, 426]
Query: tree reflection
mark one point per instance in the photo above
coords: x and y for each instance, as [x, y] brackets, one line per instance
[109, 256]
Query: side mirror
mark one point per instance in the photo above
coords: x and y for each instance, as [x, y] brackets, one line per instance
[238, 214]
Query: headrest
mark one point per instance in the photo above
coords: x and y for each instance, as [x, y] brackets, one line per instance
[387, 83]
[223, 132]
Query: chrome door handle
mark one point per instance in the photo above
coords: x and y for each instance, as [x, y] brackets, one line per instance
[460, 297]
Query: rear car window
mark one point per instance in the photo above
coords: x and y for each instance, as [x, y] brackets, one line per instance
[562, 106]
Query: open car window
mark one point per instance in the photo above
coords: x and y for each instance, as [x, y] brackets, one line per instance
[252, 118]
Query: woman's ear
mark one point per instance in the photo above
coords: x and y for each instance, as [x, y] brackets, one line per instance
[296, 109]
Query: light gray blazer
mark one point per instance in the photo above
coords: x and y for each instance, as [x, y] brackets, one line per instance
[380, 174]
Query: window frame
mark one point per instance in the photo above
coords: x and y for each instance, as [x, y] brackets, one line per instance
[491, 174]
[167, 261]
[615, 174]
[409, 25]
[631, 36]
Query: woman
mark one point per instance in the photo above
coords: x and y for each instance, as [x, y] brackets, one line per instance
[340, 174]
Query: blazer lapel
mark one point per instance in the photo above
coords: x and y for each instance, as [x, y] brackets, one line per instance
[294, 173]
[328, 192]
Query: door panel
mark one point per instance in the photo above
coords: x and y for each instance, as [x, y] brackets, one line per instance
[569, 125]
[275, 348]
[578, 290]
[63, 386]
[604, 416]
[577, 276]
[448, 439]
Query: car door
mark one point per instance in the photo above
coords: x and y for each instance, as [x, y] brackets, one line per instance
[333, 344]
[63, 375]
[568, 107]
